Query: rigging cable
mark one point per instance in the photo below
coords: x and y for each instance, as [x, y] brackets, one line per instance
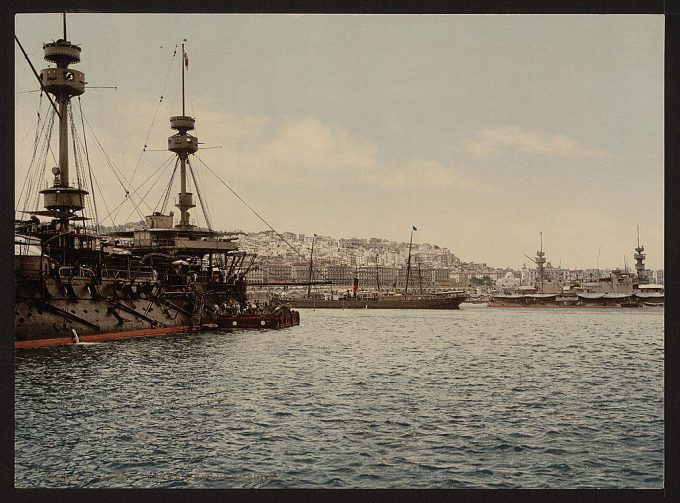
[255, 212]
[42, 161]
[108, 160]
[204, 207]
[74, 140]
[166, 196]
[148, 134]
[36, 139]
[35, 164]
[151, 187]
[113, 167]
[78, 160]
[80, 167]
[89, 167]
[199, 186]
[138, 188]
[94, 176]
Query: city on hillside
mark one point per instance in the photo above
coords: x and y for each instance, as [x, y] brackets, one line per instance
[382, 264]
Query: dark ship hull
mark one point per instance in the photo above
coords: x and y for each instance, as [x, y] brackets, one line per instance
[50, 311]
[415, 302]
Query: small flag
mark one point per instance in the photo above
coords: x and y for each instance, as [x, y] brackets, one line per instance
[414, 228]
[186, 60]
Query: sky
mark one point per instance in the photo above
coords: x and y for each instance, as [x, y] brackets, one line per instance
[482, 131]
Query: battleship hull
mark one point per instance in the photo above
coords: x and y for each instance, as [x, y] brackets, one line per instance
[59, 318]
[50, 311]
[554, 301]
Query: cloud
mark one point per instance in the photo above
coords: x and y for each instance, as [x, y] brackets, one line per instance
[230, 130]
[309, 143]
[425, 175]
[491, 141]
[308, 151]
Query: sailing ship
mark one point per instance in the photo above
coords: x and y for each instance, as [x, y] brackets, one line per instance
[73, 284]
[380, 300]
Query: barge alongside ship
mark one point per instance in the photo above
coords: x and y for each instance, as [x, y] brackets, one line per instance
[73, 284]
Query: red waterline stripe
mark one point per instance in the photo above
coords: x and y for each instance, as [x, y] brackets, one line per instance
[60, 341]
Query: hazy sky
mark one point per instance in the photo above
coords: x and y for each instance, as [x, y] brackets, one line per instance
[480, 130]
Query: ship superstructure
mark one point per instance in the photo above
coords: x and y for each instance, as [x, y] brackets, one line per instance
[647, 293]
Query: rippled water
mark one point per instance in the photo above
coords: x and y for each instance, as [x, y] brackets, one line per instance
[481, 398]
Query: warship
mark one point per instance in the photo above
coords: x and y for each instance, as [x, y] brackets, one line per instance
[646, 293]
[618, 289]
[73, 284]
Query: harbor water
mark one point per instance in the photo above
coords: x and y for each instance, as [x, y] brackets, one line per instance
[476, 398]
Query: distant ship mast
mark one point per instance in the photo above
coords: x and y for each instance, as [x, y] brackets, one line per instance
[408, 265]
[639, 257]
[61, 200]
[540, 264]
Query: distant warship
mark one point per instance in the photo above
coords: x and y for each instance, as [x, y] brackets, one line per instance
[619, 289]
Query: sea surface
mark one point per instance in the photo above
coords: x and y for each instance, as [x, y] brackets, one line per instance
[476, 398]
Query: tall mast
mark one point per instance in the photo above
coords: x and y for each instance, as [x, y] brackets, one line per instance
[311, 268]
[540, 263]
[183, 64]
[377, 273]
[183, 144]
[408, 264]
[639, 257]
[61, 200]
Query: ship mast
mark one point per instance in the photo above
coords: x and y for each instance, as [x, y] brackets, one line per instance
[639, 257]
[61, 200]
[408, 264]
[183, 144]
[311, 268]
[540, 263]
[377, 272]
